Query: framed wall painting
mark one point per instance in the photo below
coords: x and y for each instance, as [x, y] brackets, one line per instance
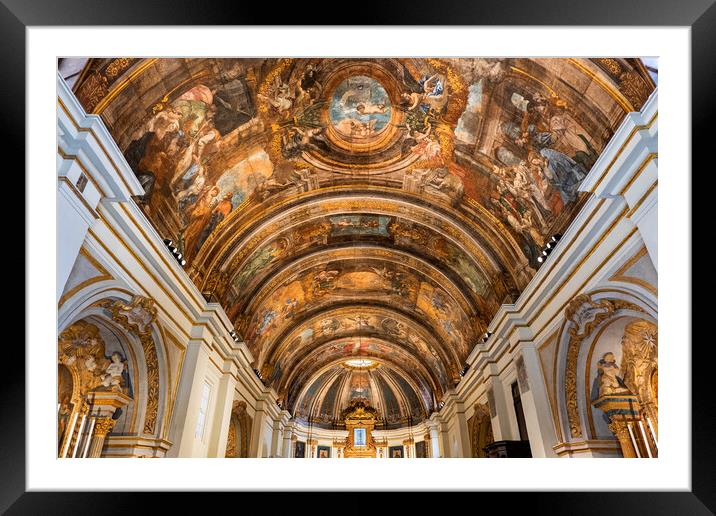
[324, 452]
[300, 450]
[395, 452]
[421, 450]
[17, 17]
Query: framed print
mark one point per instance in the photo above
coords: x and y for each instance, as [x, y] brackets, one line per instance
[359, 437]
[314, 241]
[420, 450]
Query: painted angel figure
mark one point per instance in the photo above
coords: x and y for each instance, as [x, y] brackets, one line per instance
[280, 97]
[368, 108]
[426, 146]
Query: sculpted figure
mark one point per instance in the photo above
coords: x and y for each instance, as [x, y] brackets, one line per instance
[112, 376]
[609, 382]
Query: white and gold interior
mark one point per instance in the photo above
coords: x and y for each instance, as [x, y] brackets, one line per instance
[357, 258]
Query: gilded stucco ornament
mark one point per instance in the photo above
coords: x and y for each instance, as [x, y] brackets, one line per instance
[640, 365]
[137, 317]
[583, 315]
[360, 415]
[82, 351]
[237, 444]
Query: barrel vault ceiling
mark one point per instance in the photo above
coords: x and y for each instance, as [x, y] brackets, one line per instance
[361, 220]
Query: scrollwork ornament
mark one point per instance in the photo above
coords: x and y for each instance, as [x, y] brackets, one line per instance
[583, 315]
[137, 316]
[104, 425]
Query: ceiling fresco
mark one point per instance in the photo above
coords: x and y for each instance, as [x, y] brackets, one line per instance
[399, 201]
[398, 399]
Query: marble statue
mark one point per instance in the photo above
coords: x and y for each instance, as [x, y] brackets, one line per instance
[112, 376]
[609, 382]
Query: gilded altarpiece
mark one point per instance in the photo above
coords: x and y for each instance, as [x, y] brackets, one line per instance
[360, 418]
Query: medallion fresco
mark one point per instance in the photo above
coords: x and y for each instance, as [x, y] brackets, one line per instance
[360, 108]
[307, 195]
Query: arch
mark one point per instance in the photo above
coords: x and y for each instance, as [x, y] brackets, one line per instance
[105, 306]
[480, 426]
[239, 435]
[585, 317]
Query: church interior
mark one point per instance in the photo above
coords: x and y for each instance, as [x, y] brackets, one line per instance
[357, 257]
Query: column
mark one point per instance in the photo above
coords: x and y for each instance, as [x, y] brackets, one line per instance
[104, 405]
[501, 414]
[289, 440]
[74, 216]
[409, 446]
[186, 409]
[263, 423]
[535, 402]
[642, 197]
[102, 427]
[222, 414]
[311, 448]
[463, 431]
[428, 444]
[279, 431]
[432, 425]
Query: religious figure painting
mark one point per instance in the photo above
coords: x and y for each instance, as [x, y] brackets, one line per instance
[300, 450]
[360, 107]
[276, 127]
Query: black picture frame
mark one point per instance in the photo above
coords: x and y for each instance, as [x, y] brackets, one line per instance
[300, 450]
[699, 15]
[421, 450]
[396, 449]
[326, 449]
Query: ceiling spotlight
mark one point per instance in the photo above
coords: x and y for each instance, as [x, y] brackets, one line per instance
[179, 257]
[540, 259]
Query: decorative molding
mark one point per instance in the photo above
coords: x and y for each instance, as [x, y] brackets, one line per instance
[137, 317]
[583, 315]
[103, 426]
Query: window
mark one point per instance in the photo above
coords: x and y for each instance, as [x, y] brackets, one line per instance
[359, 437]
[203, 406]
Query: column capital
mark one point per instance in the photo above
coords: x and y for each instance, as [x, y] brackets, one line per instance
[103, 426]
